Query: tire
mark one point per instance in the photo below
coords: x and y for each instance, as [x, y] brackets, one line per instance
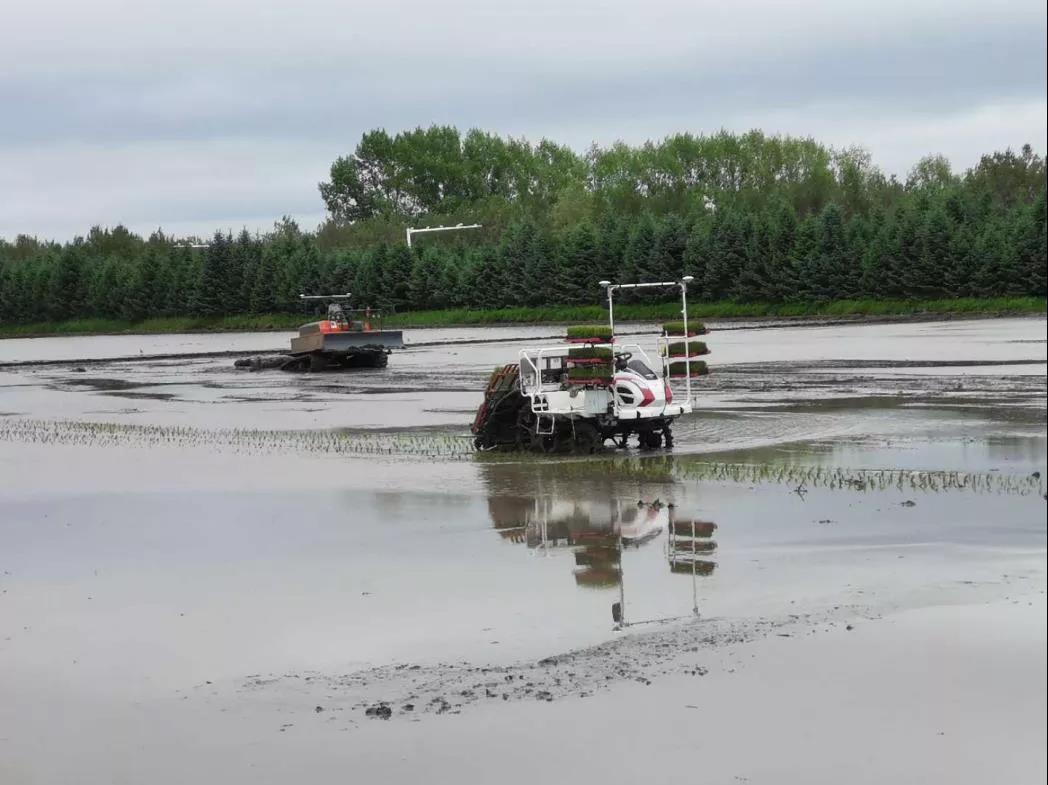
[587, 438]
[650, 440]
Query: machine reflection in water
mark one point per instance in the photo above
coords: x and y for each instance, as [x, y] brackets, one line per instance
[597, 527]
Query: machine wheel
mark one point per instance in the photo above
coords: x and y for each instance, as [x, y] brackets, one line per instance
[587, 437]
[667, 437]
[650, 440]
[526, 427]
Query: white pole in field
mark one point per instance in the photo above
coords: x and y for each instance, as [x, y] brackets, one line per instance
[611, 308]
[684, 312]
[622, 582]
[427, 229]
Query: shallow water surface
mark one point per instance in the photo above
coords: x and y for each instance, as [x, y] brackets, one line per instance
[184, 543]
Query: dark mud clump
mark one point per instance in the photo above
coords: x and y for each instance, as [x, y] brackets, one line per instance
[450, 688]
[380, 711]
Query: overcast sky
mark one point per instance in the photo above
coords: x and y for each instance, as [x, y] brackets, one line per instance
[196, 115]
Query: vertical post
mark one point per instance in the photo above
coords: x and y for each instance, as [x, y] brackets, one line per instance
[694, 585]
[622, 582]
[611, 312]
[687, 342]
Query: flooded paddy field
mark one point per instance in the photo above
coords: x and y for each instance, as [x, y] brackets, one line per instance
[209, 574]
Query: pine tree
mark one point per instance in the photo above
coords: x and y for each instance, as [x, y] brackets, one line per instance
[729, 253]
[519, 263]
[246, 256]
[1030, 247]
[539, 277]
[214, 290]
[104, 289]
[753, 282]
[957, 279]
[578, 274]
[368, 288]
[487, 281]
[697, 255]
[427, 284]
[612, 238]
[781, 282]
[636, 253]
[825, 268]
[927, 276]
[67, 295]
[264, 293]
[396, 277]
[666, 260]
[142, 295]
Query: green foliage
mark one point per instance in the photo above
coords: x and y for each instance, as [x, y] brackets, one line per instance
[842, 309]
[765, 224]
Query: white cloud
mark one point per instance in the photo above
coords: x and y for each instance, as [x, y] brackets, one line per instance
[209, 114]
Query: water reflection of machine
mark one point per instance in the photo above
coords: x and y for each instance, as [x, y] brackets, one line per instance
[688, 543]
[589, 518]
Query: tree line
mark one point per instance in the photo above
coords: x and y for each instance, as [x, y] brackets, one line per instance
[753, 218]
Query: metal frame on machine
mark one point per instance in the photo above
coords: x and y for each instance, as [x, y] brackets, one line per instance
[683, 284]
[531, 361]
[531, 367]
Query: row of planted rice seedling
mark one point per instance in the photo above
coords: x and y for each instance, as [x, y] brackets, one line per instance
[446, 446]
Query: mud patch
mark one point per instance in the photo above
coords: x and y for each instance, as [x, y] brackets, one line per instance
[140, 395]
[100, 384]
[405, 691]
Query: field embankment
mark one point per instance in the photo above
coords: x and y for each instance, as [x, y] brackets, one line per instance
[997, 306]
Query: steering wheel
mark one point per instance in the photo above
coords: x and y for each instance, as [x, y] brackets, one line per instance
[621, 360]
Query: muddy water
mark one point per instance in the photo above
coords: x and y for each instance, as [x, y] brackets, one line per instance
[768, 386]
[201, 590]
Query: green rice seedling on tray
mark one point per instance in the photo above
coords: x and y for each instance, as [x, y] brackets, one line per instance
[696, 367]
[674, 329]
[690, 528]
[690, 566]
[590, 354]
[589, 333]
[692, 349]
[591, 374]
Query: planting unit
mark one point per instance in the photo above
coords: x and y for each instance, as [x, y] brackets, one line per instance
[595, 389]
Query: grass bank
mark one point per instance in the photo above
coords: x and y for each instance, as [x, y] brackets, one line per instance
[999, 306]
